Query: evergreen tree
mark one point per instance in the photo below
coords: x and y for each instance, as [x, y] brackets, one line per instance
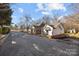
[5, 14]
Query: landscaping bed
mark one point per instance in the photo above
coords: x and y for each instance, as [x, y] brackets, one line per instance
[67, 35]
[60, 36]
[4, 30]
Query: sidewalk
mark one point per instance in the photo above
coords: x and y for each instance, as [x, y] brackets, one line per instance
[2, 39]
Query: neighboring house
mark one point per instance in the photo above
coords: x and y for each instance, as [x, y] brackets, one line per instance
[71, 23]
[32, 30]
[38, 28]
[28, 29]
[71, 31]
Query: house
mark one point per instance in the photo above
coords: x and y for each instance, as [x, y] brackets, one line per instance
[58, 29]
[31, 30]
[48, 30]
[71, 23]
[71, 31]
[53, 28]
[38, 28]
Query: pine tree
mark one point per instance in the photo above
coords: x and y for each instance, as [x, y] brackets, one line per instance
[5, 14]
[5, 17]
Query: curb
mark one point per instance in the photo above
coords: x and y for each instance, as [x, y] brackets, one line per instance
[3, 38]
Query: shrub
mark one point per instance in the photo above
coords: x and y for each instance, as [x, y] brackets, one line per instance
[4, 30]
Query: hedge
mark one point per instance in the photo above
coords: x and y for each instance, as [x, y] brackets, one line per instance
[4, 30]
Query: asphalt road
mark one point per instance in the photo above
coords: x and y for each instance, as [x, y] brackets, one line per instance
[22, 44]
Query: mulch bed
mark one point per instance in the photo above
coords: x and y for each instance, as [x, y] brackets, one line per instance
[60, 36]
